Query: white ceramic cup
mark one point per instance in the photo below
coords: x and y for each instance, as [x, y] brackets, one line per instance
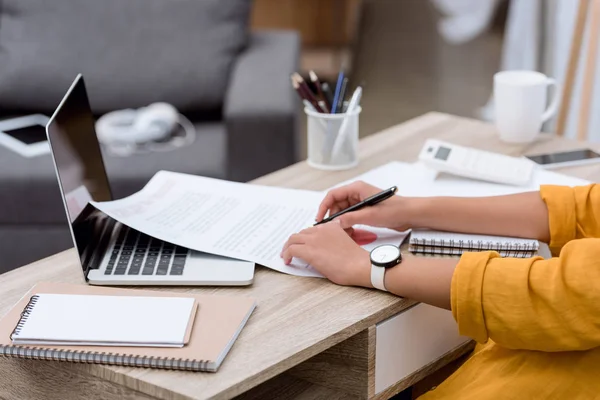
[520, 99]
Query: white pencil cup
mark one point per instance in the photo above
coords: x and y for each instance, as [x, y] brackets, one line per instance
[332, 140]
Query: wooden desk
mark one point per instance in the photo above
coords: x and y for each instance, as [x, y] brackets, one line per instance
[307, 339]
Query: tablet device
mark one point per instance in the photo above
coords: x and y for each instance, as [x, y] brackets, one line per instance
[25, 135]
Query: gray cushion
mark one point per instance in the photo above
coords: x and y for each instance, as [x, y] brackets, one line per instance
[29, 190]
[205, 157]
[24, 244]
[131, 52]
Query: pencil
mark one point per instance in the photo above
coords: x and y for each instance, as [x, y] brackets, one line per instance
[315, 80]
[308, 91]
[299, 90]
[305, 94]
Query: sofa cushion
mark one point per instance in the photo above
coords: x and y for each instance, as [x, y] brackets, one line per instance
[131, 52]
[29, 192]
[207, 156]
[24, 244]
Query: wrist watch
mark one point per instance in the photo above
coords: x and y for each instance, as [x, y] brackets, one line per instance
[382, 258]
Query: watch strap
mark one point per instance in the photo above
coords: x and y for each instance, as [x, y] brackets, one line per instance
[378, 277]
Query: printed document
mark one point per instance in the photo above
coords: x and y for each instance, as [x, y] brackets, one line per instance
[237, 220]
[419, 180]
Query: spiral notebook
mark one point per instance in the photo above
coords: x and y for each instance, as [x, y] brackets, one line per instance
[448, 243]
[93, 320]
[219, 321]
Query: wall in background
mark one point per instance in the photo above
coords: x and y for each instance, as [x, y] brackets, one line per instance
[328, 28]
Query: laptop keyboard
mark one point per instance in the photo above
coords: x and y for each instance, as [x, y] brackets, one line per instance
[135, 253]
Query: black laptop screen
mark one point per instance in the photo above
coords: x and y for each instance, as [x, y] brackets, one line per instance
[79, 164]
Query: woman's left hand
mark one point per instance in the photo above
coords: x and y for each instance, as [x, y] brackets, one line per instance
[329, 250]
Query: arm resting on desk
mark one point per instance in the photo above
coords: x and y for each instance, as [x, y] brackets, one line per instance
[556, 214]
[531, 303]
[515, 215]
[550, 305]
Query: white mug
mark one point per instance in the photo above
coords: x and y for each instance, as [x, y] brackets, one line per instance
[520, 99]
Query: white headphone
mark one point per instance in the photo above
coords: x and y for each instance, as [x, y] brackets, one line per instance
[151, 128]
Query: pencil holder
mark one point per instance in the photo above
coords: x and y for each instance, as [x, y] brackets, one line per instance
[332, 139]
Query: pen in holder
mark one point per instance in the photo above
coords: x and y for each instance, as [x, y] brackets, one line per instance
[332, 139]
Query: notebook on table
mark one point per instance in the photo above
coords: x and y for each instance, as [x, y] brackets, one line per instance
[93, 320]
[448, 243]
[218, 322]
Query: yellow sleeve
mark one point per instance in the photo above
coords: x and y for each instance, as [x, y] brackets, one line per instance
[534, 304]
[573, 213]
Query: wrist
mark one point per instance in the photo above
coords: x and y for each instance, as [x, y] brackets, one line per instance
[362, 271]
[415, 211]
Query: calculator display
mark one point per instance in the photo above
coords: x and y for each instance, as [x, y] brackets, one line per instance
[442, 153]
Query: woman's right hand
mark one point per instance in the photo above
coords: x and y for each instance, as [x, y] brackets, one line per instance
[392, 213]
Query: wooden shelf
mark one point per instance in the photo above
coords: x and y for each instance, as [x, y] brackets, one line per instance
[328, 29]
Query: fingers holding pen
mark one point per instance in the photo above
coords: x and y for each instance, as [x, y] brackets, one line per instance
[343, 197]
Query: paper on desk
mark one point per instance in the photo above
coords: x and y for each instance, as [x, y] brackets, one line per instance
[236, 220]
[418, 180]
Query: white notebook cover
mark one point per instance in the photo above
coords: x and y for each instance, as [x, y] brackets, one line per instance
[53, 319]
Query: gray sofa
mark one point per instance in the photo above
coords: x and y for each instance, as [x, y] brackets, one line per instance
[253, 132]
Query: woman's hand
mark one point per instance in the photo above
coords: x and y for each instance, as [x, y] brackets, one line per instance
[329, 250]
[391, 213]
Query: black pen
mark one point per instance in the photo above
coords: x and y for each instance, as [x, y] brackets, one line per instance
[369, 201]
[327, 94]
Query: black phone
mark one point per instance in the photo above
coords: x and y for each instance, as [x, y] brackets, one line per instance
[566, 158]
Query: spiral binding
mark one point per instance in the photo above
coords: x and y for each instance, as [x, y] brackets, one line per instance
[88, 357]
[455, 251]
[25, 316]
[474, 244]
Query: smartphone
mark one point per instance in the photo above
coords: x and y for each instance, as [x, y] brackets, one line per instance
[566, 158]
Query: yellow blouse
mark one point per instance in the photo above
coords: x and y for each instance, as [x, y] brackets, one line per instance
[537, 322]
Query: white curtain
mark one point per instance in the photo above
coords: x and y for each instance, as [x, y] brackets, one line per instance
[464, 19]
[538, 37]
[564, 24]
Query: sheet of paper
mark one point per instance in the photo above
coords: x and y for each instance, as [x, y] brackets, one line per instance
[237, 220]
[419, 180]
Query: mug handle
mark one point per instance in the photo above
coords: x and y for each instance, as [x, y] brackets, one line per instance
[549, 113]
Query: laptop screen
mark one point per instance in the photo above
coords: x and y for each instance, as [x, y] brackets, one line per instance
[79, 164]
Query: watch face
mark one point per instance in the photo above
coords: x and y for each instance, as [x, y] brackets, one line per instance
[385, 254]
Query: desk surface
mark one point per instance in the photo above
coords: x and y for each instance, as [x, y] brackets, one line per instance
[296, 318]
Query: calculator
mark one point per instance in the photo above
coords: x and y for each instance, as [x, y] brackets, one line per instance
[476, 164]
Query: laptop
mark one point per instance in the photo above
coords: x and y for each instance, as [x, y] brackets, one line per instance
[110, 252]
